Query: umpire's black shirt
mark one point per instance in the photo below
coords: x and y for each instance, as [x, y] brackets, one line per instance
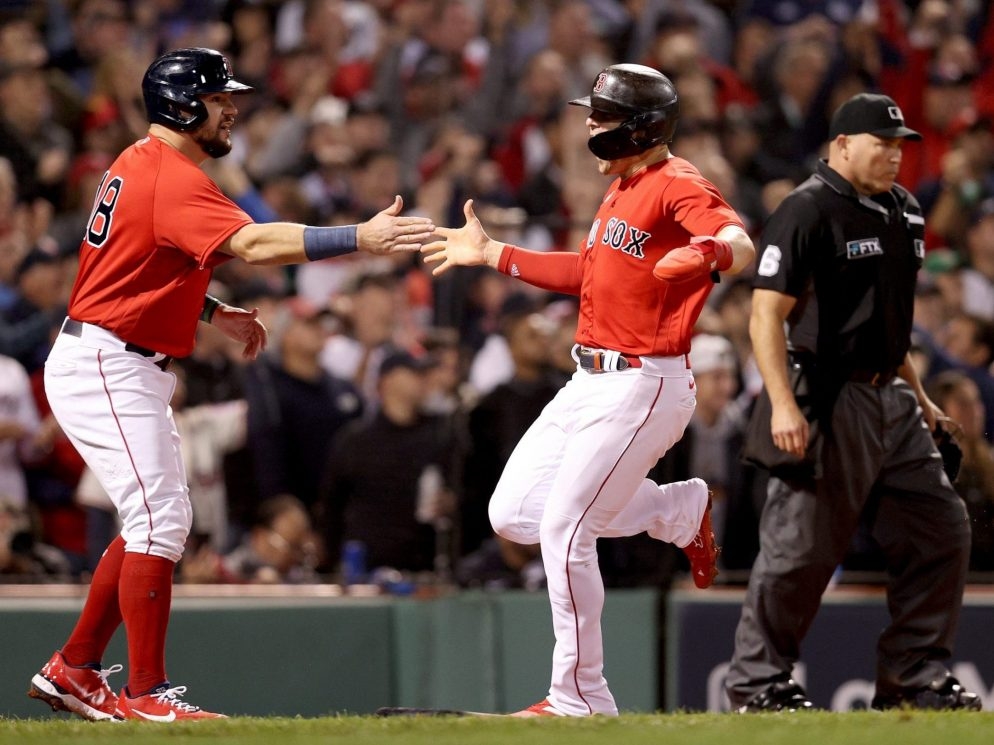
[851, 261]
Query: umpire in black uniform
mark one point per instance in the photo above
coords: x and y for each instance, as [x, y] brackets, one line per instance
[846, 421]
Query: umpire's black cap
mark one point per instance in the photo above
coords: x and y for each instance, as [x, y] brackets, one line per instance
[870, 113]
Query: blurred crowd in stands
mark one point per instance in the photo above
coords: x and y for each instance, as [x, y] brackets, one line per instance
[387, 402]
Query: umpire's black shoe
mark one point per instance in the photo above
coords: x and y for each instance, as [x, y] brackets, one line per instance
[942, 694]
[784, 695]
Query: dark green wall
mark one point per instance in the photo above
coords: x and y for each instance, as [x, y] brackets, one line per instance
[312, 657]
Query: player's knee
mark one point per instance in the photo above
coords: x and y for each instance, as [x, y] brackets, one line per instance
[170, 541]
[501, 519]
[165, 535]
[504, 519]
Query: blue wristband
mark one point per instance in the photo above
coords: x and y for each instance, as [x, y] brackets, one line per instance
[326, 243]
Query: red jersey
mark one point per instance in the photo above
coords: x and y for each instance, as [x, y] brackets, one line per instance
[622, 305]
[150, 248]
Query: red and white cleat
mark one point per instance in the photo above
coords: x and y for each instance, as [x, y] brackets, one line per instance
[80, 690]
[160, 705]
[542, 709]
[703, 551]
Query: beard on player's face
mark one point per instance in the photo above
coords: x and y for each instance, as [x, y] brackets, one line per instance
[214, 135]
[213, 140]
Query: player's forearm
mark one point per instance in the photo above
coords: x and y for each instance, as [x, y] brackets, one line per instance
[743, 250]
[555, 272]
[266, 244]
[290, 243]
[908, 372]
[769, 344]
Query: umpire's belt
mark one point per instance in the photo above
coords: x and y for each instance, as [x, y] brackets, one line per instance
[101, 338]
[603, 360]
[876, 378]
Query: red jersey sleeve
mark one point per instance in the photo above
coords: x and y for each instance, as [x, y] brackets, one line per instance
[556, 272]
[699, 207]
[192, 215]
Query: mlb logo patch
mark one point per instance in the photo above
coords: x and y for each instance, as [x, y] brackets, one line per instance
[895, 114]
[919, 248]
[864, 247]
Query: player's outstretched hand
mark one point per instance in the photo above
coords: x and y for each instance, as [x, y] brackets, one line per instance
[388, 232]
[465, 246]
[704, 255]
[244, 326]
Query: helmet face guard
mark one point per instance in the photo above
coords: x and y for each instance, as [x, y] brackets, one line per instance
[174, 82]
[644, 99]
[633, 136]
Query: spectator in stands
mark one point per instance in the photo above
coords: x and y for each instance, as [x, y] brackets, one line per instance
[40, 293]
[19, 425]
[20, 226]
[391, 480]
[503, 415]
[280, 547]
[960, 400]
[38, 148]
[967, 178]
[99, 27]
[967, 344]
[252, 38]
[792, 119]
[537, 95]
[295, 407]
[978, 275]
[370, 312]
[22, 557]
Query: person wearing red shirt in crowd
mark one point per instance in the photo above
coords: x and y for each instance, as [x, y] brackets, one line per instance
[158, 227]
[643, 275]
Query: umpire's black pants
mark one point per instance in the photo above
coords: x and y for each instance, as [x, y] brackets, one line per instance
[878, 445]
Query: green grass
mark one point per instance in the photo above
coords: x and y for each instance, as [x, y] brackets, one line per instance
[818, 728]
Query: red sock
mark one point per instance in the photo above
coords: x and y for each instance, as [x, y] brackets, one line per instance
[101, 613]
[146, 592]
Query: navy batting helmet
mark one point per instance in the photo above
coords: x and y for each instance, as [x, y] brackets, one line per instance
[648, 103]
[174, 82]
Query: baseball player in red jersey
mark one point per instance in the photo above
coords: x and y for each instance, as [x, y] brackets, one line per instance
[158, 227]
[642, 275]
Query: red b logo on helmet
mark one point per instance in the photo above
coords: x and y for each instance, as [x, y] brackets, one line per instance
[601, 80]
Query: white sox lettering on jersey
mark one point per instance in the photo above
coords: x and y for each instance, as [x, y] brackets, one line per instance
[627, 238]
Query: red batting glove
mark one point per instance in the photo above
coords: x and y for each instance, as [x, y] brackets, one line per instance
[704, 255]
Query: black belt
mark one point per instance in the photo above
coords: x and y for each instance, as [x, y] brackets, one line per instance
[75, 328]
[876, 378]
[594, 360]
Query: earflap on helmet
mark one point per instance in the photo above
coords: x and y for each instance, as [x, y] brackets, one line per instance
[170, 107]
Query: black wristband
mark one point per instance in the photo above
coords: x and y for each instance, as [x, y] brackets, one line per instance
[211, 304]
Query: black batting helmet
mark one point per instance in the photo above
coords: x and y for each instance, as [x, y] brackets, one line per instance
[174, 82]
[644, 97]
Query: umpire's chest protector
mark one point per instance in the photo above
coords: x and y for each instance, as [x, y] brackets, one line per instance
[865, 284]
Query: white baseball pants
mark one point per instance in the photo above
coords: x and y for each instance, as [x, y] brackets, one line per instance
[114, 407]
[579, 474]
